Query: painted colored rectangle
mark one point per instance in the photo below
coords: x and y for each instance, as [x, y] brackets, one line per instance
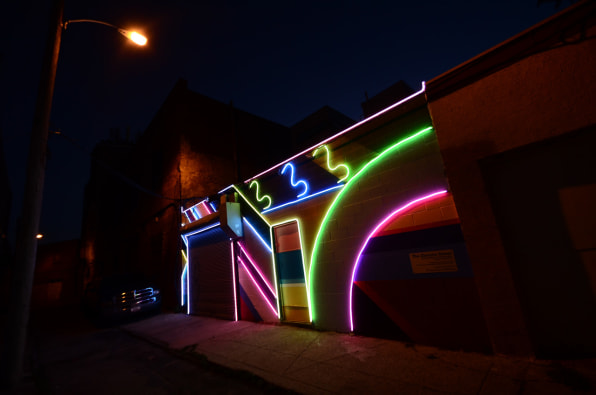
[286, 237]
[294, 295]
[290, 267]
[433, 261]
[296, 314]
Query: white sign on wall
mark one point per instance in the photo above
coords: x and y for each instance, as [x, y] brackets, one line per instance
[433, 262]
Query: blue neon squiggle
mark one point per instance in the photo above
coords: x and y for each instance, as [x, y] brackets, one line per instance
[294, 184]
[302, 199]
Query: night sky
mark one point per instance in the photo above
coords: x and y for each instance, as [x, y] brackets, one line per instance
[279, 60]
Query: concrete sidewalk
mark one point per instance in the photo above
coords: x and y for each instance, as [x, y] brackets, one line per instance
[314, 362]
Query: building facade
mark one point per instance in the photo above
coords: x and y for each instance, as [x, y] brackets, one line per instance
[460, 216]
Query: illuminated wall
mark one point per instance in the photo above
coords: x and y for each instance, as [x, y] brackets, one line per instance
[315, 218]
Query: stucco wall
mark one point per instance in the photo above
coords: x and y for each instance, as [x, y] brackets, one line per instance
[537, 98]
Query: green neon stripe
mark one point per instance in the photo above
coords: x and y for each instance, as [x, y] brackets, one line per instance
[347, 187]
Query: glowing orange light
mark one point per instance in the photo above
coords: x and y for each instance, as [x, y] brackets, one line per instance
[38, 236]
[135, 37]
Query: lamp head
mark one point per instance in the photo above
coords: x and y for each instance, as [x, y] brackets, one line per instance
[133, 36]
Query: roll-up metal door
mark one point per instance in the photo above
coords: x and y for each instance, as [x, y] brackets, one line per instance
[211, 281]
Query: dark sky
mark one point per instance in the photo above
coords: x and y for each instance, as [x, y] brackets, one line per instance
[280, 60]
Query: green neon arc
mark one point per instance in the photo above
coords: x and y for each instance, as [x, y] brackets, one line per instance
[344, 190]
[331, 168]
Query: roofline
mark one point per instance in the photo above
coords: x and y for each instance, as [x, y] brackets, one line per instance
[354, 126]
[536, 38]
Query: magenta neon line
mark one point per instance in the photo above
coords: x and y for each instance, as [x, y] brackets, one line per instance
[370, 235]
[257, 285]
[187, 279]
[257, 270]
[354, 126]
[207, 208]
[234, 280]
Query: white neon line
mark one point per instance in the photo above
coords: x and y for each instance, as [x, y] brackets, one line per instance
[225, 189]
[339, 134]
[257, 285]
[257, 269]
[192, 233]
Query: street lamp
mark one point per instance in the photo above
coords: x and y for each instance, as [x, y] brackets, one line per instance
[133, 36]
[26, 242]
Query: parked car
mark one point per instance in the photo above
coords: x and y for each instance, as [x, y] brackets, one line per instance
[117, 297]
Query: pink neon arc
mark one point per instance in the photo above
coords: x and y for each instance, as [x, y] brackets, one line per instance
[234, 282]
[370, 235]
[257, 285]
[252, 262]
[354, 126]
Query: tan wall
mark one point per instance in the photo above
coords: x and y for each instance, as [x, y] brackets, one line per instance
[537, 98]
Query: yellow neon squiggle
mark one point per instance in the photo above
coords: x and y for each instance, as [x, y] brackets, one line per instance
[331, 168]
[260, 198]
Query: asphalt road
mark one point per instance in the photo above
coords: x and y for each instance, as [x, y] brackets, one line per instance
[71, 356]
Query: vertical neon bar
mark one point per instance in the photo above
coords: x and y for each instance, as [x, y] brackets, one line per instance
[304, 270]
[275, 272]
[234, 279]
[188, 279]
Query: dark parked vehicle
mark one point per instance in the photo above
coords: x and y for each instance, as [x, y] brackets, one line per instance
[119, 297]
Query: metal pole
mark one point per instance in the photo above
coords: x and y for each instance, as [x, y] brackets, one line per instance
[26, 243]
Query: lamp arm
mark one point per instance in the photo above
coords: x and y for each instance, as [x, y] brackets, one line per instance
[65, 24]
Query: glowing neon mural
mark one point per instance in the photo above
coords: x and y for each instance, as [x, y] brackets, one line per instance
[184, 280]
[397, 104]
[267, 246]
[198, 211]
[329, 166]
[258, 287]
[256, 267]
[293, 286]
[185, 237]
[292, 202]
[295, 184]
[257, 196]
[348, 186]
[385, 220]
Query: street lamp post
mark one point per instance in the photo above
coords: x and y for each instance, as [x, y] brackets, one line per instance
[26, 242]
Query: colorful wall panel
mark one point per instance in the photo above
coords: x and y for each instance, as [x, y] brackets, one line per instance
[291, 273]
